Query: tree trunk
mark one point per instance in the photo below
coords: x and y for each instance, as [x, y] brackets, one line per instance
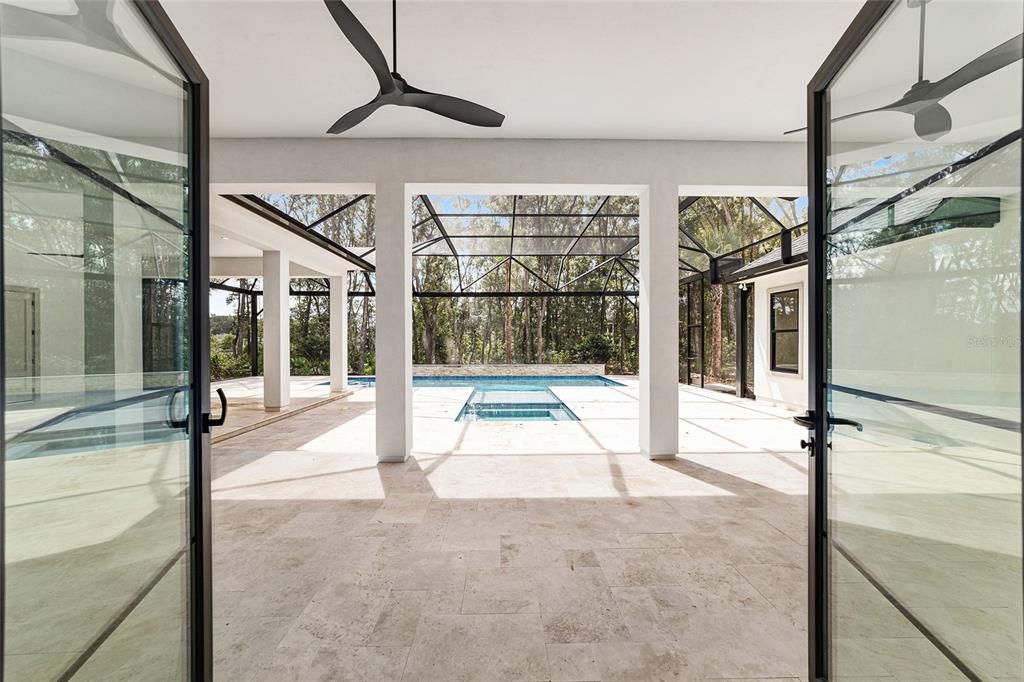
[240, 318]
[540, 328]
[458, 329]
[364, 328]
[621, 328]
[509, 341]
[485, 353]
[428, 331]
[716, 330]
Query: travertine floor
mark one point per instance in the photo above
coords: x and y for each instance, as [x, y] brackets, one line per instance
[543, 551]
[245, 401]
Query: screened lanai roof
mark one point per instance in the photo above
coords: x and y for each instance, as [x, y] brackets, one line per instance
[483, 245]
[719, 236]
[526, 244]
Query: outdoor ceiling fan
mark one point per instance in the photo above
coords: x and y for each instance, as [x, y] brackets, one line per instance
[931, 119]
[393, 88]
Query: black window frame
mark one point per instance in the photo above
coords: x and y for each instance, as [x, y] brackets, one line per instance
[774, 331]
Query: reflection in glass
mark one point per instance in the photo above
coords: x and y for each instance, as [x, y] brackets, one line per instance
[96, 262]
[924, 262]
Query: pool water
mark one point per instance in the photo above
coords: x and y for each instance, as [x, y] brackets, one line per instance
[514, 402]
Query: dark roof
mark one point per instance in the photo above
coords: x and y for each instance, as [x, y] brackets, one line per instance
[772, 261]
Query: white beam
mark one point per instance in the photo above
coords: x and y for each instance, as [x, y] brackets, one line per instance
[394, 322]
[253, 267]
[659, 321]
[289, 164]
[243, 226]
[276, 339]
[339, 334]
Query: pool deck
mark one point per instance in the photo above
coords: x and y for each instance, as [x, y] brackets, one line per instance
[512, 551]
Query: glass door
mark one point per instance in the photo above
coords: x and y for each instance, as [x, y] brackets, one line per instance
[103, 264]
[916, 370]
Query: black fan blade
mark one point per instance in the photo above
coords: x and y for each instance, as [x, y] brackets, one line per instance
[364, 43]
[933, 121]
[1002, 55]
[355, 117]
[452, 107]
[887, 107]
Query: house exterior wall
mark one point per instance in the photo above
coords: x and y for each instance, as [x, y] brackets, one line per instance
[934, 319]
[779, 388]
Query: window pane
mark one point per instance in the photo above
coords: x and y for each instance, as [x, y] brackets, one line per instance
[97, 245]
[785, 310]
[923, 297]
[787, 351]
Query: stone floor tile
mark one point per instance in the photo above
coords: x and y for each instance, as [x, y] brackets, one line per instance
[467, 648]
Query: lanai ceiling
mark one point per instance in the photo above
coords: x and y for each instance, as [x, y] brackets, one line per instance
[689, 69]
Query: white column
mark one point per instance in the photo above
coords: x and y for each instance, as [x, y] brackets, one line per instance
[659, 321]
[276, 340]
[339, 333]
[394, 322]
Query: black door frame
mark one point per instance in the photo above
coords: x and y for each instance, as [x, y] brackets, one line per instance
[818, 119]
[200, 597]
[200, 614]
[198, 135]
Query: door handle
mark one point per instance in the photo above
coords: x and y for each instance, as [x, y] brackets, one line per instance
[209, 421]
[806, 420]
[840, 421]
[172, 421]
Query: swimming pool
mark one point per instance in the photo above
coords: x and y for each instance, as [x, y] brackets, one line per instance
[514, 403]
[508, 398]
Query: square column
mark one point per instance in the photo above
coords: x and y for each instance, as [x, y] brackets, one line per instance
[339, 333]
[276, 332]
[394, 322]
[659, 321]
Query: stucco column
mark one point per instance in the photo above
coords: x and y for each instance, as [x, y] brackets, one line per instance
[659, 321]
[339, 333]
[394, 322]
[276, 339]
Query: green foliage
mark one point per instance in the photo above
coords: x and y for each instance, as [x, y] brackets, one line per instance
[222, 324]
[302, 366]
[224, 365]
[596, 348]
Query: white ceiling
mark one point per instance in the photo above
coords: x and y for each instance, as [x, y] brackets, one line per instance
[690, 69]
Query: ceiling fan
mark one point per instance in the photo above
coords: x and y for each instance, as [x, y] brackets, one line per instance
[393, 88]
[931, 119]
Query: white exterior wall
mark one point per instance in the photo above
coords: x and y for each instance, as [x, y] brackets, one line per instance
[779, 388]
[939, 323]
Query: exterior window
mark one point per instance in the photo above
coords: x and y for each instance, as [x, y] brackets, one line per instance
[785, 331]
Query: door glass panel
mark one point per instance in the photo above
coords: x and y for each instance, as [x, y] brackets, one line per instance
[923, 305]
[96, 263]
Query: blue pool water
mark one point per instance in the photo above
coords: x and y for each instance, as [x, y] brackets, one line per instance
[508, 402]
[508, 399]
